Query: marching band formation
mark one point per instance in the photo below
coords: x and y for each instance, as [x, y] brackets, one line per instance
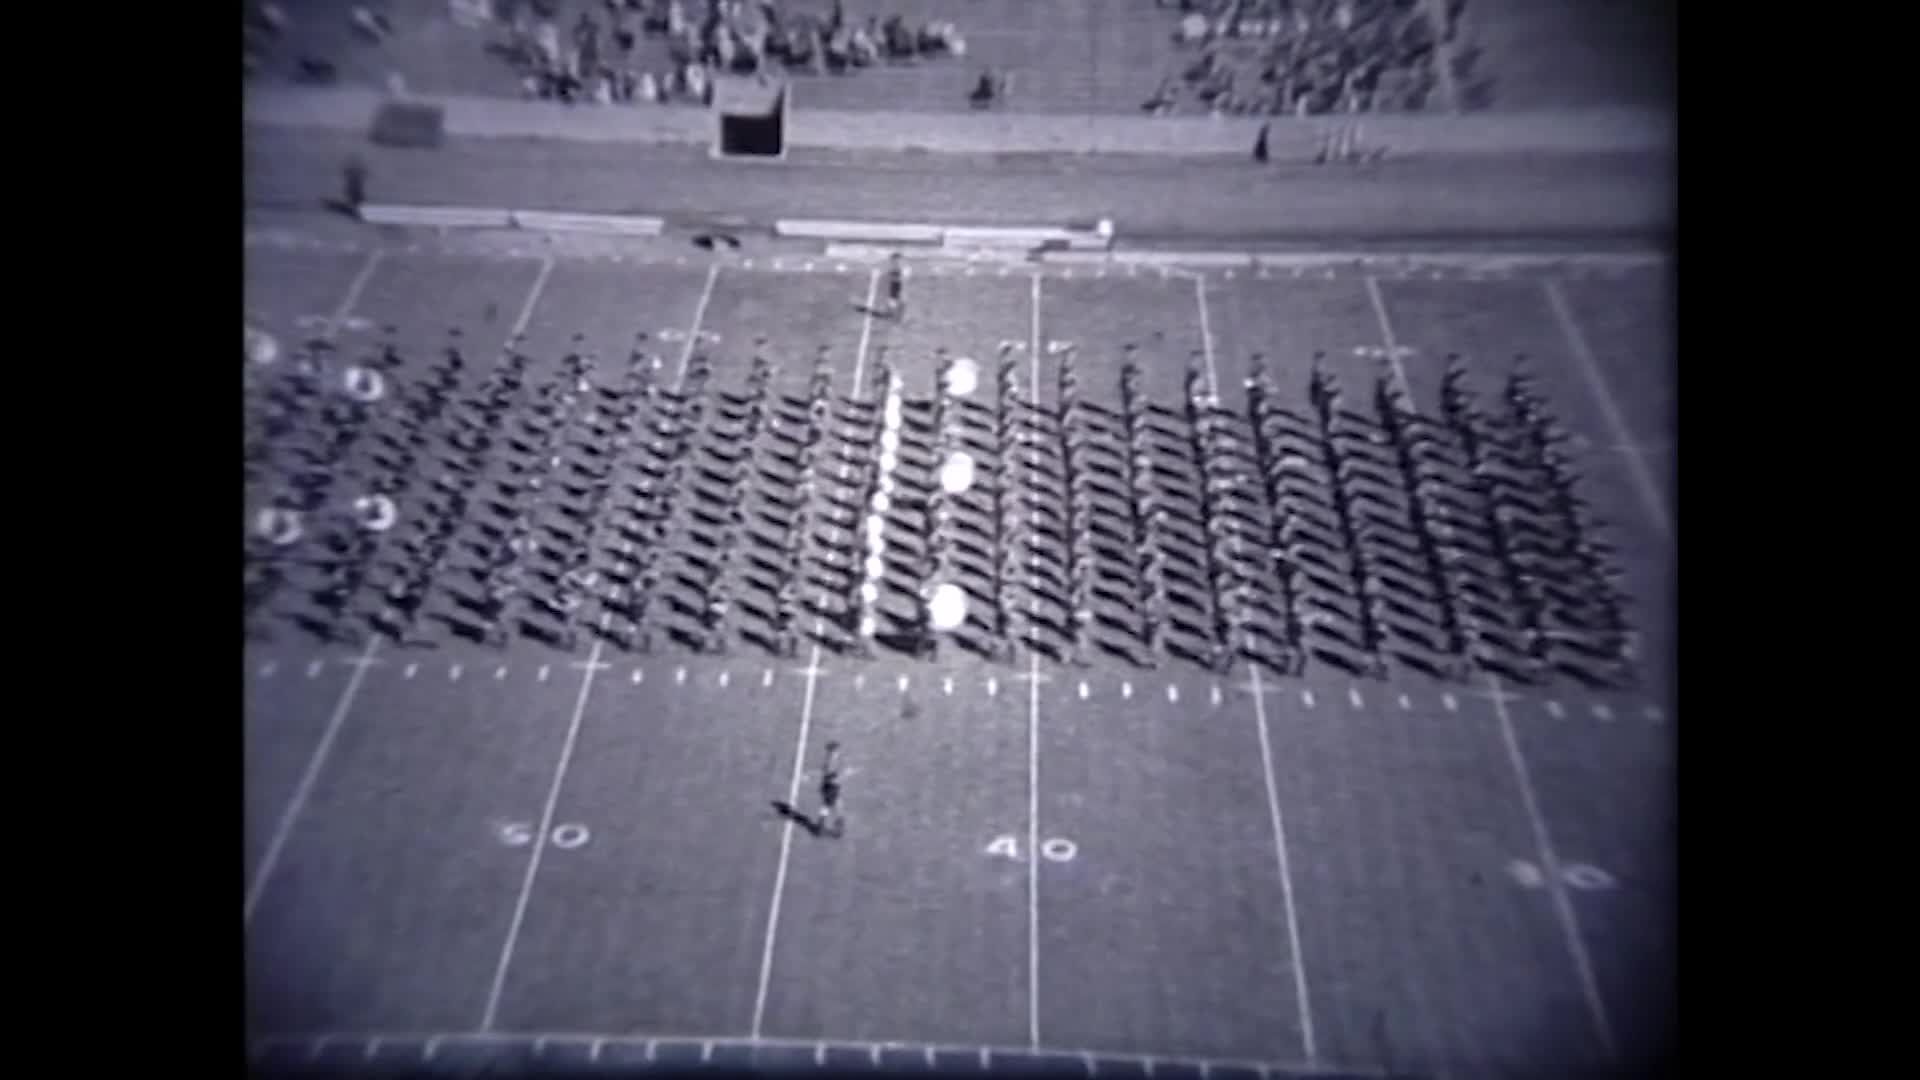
[556, 502]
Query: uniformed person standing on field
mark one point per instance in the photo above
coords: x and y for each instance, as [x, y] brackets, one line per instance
[356, 184]
[896, 287]
[830, 820]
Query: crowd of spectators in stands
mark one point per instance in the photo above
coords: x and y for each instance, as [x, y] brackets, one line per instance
[596, 56]
[595, 59]
[1310, 57]
[267, 22]
[1250, 57]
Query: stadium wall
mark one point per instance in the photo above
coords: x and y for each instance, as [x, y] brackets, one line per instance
[1584, 131]
[1596, 131]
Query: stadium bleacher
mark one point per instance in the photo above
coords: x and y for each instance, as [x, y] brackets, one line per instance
[1266, 57]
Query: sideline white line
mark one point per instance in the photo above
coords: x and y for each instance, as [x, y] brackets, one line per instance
[540, 840]
[304, 790]
[1033, 749]
[1643, 477]
[268, 862]
[1286, 871]
[1550, 863]
[1206, 335]
[1299, 263]
[431, 1043]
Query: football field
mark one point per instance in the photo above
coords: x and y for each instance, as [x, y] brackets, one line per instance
[535, 852]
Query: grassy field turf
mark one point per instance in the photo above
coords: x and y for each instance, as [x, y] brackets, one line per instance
[395, 902]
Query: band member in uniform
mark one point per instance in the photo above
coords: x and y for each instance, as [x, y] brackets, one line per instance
[896, 303]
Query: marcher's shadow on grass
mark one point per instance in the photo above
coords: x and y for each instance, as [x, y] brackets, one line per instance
[786, 810]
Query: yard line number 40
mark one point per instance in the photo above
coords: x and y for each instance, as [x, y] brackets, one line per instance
[1053, 848]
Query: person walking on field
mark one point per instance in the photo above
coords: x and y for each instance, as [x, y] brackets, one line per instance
[356, 184]
[830, 821]
[896, 304]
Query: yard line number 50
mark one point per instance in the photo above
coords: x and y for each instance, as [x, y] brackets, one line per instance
[1576, 875]
[520, 834]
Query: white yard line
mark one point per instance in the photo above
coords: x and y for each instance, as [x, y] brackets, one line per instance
[1387, 335]
[1033, 747]
[591, 669]
[1213, 376]
[806, 724]
[311, 775]
[699, 316]
[521, 320]
[1286, 871]
[1550, 864]
[1206, 335]
[866, 331]
[1636, 460]
[354, 289]
[1033, 851]
[301, 793]
[786, 846]
[540, 839]
[1568, 921]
